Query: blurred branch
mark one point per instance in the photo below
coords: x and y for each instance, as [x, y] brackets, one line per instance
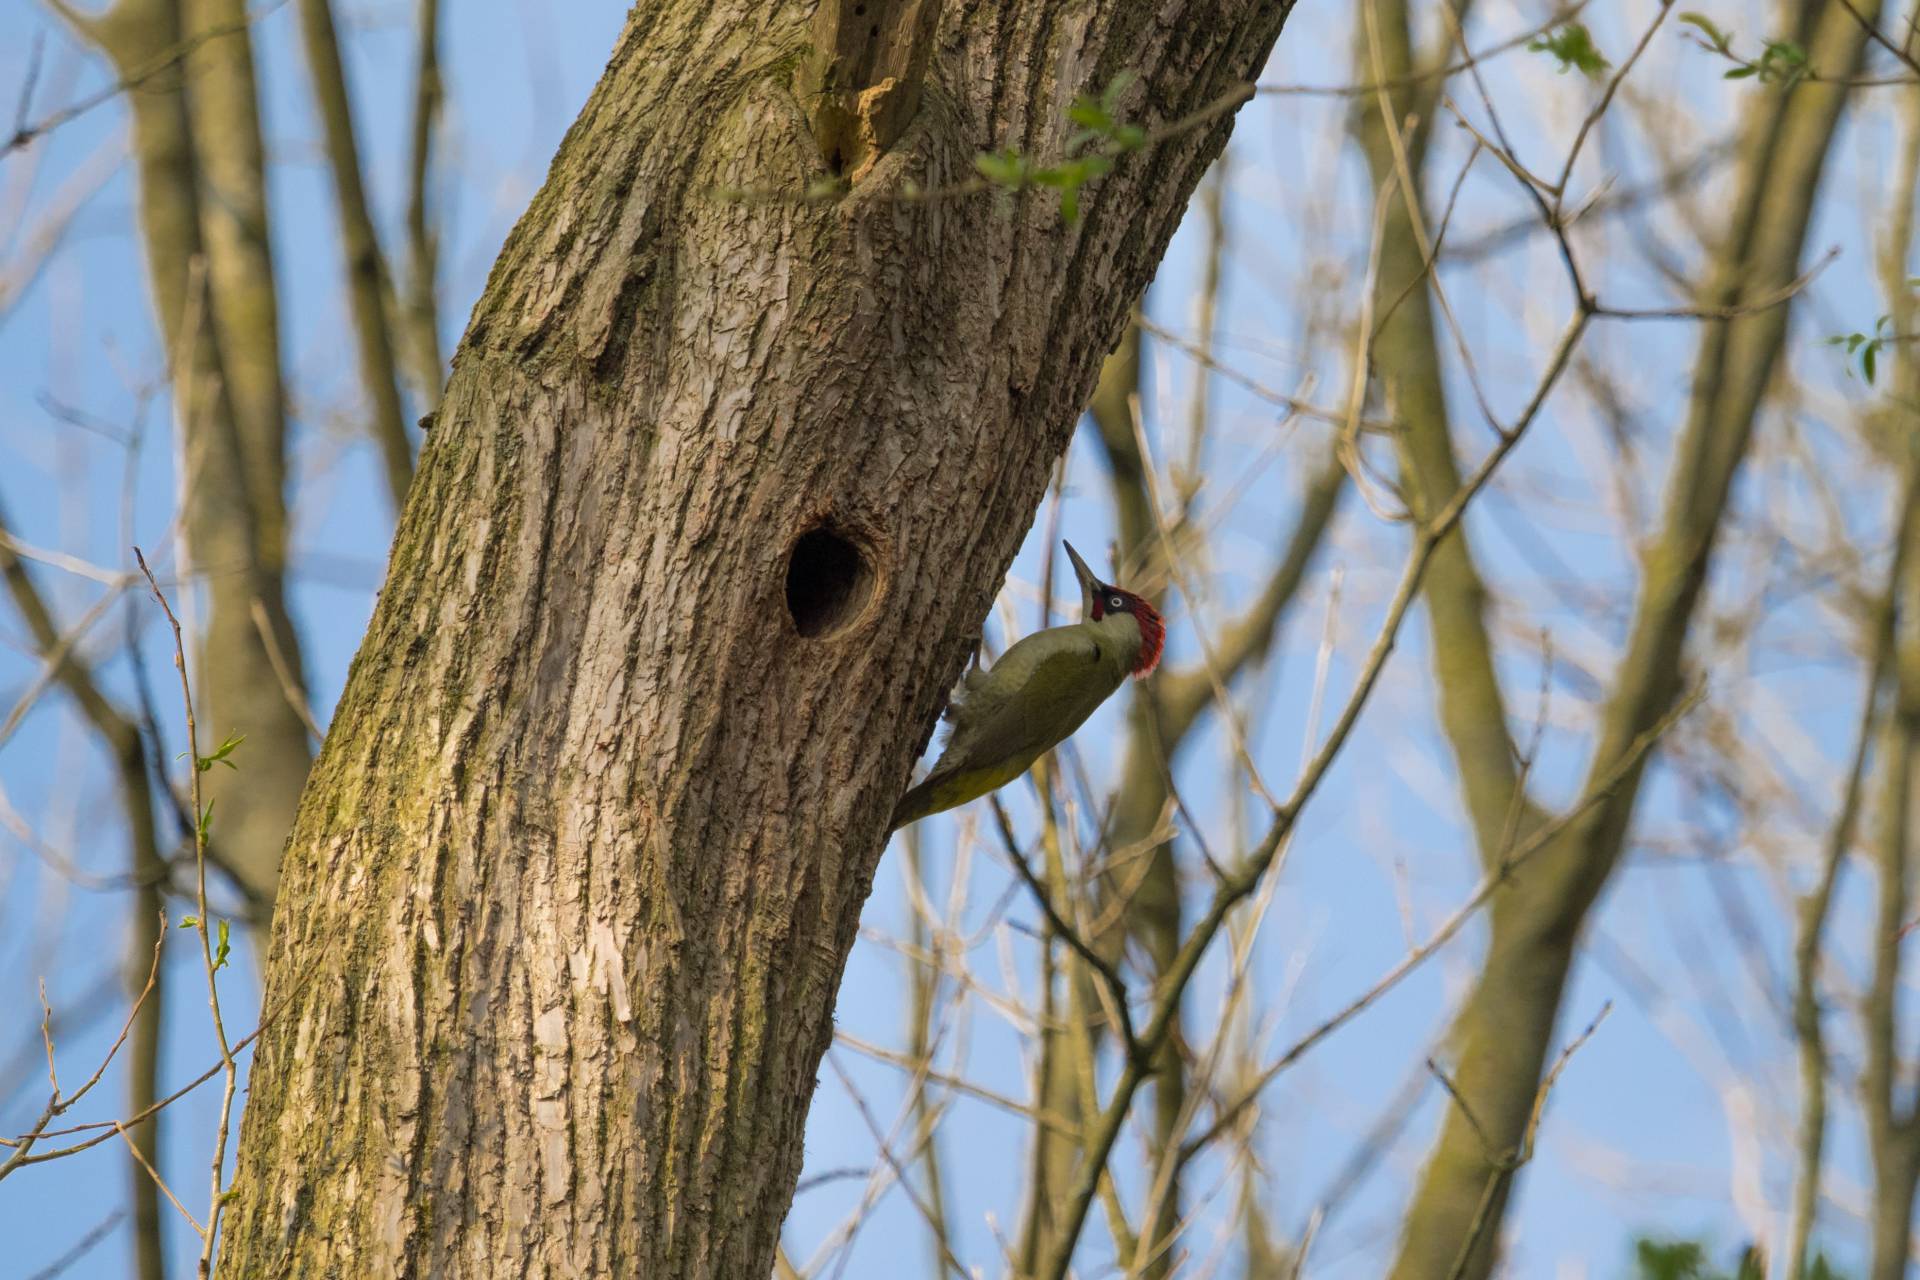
[1893, 1125]
[1246, 877]
[1504, 1029]
[58, 1101]
[1168, 704]
[923, 996]
[1472, 708]
[39, 242]
[82, 1247]
[1212, 200]
[1432, 75]
[154, 64]
[242, 308]
[368, 284]
[229, 541]
[1509, 1162]
[1813, 906]
[120, 738]
[422, 305]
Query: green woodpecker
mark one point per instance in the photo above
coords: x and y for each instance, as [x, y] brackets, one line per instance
[1041, 690]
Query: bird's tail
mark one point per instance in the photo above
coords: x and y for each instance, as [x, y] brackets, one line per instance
[943, 789]
[913, 806]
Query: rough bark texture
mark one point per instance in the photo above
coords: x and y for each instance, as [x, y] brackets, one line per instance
[572, 887]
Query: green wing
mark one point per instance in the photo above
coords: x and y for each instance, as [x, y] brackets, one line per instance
[1037, 699]
[1041, 690]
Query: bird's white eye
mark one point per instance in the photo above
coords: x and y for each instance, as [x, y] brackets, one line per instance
[1115, 602]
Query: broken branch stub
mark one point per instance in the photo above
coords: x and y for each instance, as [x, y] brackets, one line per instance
[860, 82]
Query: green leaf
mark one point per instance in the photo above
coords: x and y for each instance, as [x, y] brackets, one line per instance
[1090, 113]
[1713, 35]
[221, 947]
[1572, 46]
[188, 922]
[1741, 73]
[1110, 96]
[1129, 137]
[1822, 1269]
[1866, 360]
[1782, 62]
[1079, 138]
[1007, 168]
[1676, 1260]
[221, 754]
[206, 818]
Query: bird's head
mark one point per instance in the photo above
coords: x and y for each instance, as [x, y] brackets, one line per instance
[1100, 600]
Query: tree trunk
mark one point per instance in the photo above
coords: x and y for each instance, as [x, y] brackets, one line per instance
[246, 687]
[675, 600]
[231, 160]
[1895, 1172]
[1892, 1110]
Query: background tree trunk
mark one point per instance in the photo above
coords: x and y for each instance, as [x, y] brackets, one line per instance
[369, 286]
[1503, 1036]
[247, 657]
[674, 602]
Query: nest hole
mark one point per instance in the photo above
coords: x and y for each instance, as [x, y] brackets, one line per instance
[828, 582]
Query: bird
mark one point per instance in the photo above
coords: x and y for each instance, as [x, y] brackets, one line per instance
[1041, 690]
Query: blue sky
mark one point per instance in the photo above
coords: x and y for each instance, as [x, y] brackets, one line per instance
[1658, 1093]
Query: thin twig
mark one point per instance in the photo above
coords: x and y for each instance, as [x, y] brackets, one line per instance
[198, 766]
[24, 134]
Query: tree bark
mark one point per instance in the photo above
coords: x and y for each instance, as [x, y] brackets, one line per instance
[675, 600]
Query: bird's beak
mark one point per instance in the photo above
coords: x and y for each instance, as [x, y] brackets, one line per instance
[1089, 585]
[1080, 568]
